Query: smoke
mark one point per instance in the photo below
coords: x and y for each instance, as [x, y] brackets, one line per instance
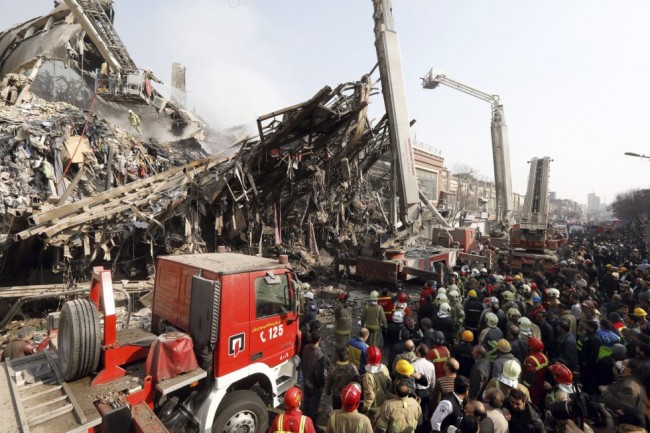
[226, 56]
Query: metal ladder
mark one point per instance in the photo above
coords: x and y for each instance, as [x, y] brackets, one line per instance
[40, 394]
[102, 24]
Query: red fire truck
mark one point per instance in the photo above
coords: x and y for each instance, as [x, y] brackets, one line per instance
[221, 354]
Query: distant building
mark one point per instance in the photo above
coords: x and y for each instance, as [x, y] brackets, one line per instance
[552, 195]
[593, 203]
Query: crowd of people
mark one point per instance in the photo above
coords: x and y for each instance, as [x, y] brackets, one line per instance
[490, 351]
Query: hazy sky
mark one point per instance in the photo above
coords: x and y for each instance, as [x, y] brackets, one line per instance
[574, 75]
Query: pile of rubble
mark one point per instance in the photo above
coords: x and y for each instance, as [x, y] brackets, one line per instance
[91, 193]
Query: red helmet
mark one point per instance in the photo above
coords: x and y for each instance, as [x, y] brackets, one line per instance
[350, 397]
[533, 286]
[374, 355]
[403, 298]
[508, 279]
[561, 373]
[535, 344]
[292, 398]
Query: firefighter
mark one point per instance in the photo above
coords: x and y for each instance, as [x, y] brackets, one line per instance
[535, 367]
[400, 414]
[348, 419]
[508, 380]
[376, 383]
[311, 309]
[429, 289]
[473, 308]
[402, 304]
[463, 352]
[443, 322]
[457, 311]
[374, 319]
[134, 120]
[490, 335]
[292, 420]
[439, 354]
[342, 321]
[386, 303]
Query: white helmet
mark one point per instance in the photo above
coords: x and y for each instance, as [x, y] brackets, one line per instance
[453, 295]
[491, 320]
[513, 312]
[474, 273]
[305, 286]
[442, 298]
[510, 374]
[442, 291]
[498, 278]
[398, 316]
[483, 271]
[374, 295]
[453, 287]
[526, 326]
[554, 293]
[444, 310]
[525, 288]
[309, 295]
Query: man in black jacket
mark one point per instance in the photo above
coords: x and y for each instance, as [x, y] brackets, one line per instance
[313, 369]
[565, 345]
[480, 372]
[524, 418]
[588, 348]
[450, 409]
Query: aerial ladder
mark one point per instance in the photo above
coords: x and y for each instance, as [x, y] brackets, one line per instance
[500, 146]
[531, 248]
[404, 185]
[122, 80]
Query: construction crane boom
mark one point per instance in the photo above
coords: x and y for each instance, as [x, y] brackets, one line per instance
[500, 145]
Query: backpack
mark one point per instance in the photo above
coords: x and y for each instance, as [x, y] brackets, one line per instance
[301, 429]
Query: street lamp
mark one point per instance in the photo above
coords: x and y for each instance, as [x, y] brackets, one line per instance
[637, 155]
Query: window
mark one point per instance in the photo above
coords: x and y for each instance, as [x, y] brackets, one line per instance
[428, 183]
[272, 296]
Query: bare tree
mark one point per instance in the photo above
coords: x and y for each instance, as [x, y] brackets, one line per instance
[634, 206]
[469, 183]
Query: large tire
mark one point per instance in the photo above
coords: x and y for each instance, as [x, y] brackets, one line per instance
[79, 339]
[241, 411]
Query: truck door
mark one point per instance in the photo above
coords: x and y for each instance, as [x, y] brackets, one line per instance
[274, 321]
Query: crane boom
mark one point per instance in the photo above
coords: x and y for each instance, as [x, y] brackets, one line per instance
[500, 145]
[394, 91]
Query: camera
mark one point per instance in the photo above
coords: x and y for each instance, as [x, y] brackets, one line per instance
[577, 408]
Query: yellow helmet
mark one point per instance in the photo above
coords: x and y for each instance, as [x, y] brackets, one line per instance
[404, 367]
[472, 294]
[517, 277]
[467, 336]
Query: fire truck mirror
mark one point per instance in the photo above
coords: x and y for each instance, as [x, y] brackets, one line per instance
[270, 278]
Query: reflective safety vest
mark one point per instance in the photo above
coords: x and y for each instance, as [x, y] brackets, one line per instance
[301, 429]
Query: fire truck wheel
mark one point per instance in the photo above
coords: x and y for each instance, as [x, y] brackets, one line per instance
[241, 411]
[79, 339]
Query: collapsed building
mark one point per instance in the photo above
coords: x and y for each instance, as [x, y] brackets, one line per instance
[82, 186]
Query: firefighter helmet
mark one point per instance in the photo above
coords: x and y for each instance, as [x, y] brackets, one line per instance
[472, 293]
[525, 324]
[554, 293]
[403, 298]
[374, 355]
[491, 320]
[374, 295]
[535, 344]
[453, 287]
[305, 286]
[292, 398]
[510, 374]
[526, 288]
[508, 279]
[533, 286]
[513, 313]
[504, 346]
[508, 295]
[398, 316]
[309, 295]
[444, 310]
[517, 277]
[350, 397]
[483, 271]
[442, 291]
[474, 273]
[404, 367]
[442, 298]
[467, 336]
[438, 338]
[561, 374]
[453, 295]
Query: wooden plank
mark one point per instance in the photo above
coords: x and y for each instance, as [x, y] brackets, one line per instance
[78, 412]
[72, 186]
